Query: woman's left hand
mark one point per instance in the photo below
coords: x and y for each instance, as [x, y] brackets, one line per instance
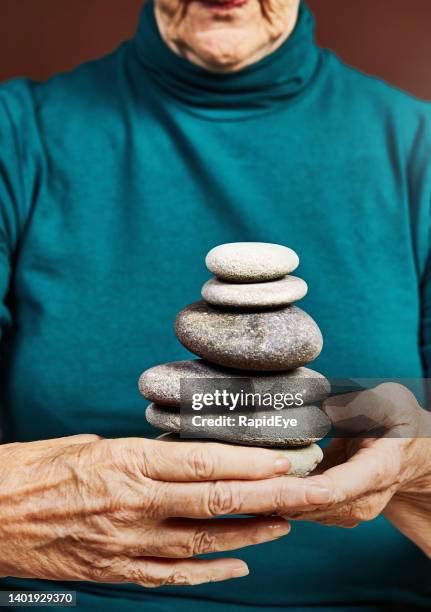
[367, 476]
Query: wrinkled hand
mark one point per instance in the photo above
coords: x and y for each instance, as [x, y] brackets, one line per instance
[365, 476]
[133, 510]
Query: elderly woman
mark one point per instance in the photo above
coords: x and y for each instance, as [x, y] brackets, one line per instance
[220, 121]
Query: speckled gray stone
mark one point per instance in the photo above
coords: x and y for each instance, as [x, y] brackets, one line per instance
[303, 459]
[282, 292]
[161, 384]
[275, 340]
[244, 262]
[312, 425]
[167, 419]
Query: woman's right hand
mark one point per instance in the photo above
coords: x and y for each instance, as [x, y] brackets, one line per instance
[132, 509]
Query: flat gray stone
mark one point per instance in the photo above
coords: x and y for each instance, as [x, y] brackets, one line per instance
[244, 262]
[312, 425]
[167, 419]
[272, 294]
[303, 460]
[162, 384]
[282, 339]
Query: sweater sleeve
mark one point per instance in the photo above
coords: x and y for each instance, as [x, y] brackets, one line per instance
[14, 162]
[425, 331]
[421, 187]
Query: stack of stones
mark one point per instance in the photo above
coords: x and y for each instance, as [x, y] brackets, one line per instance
[247, 327]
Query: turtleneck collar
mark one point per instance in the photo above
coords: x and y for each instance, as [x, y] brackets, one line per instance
[281, 75]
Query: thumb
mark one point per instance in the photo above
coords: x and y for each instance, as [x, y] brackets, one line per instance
[389, 409]
[371, 469]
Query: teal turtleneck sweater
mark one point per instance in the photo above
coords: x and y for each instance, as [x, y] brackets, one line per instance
[117, 178]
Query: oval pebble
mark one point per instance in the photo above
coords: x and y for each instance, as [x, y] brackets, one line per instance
[244, 262]
[282, 292]
[282, 339]
[162, 384]
[312, 425]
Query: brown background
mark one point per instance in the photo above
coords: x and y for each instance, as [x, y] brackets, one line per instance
[388, 38]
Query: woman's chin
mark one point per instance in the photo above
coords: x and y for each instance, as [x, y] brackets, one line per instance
[223, 49]
[221, 35]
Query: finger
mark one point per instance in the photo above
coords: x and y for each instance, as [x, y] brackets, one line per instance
[209, 499]
[359, 412]
[329, 521]
[371, 469]
[198, 461]
[366, 508]
[390, 406]
[153, 572]
[180, 538]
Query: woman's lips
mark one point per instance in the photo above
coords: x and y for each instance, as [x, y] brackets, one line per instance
[222, 5]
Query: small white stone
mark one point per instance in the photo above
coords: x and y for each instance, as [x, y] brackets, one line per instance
[303, 460]
[243, 262]
[282, 292]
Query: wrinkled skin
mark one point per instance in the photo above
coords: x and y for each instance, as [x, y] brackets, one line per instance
[368, 476]
[132, 510]
[225, 40]
[136, 510]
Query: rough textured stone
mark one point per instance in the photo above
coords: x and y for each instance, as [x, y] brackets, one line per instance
[312, 425]
[282, 292]
[244, 262]
[161, 384]
[303, 459]
[281, 339]
[167, 419]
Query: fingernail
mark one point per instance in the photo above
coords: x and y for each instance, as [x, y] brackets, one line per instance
[282, 465]
[238, 570]
[316, 494]
[279, 528]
